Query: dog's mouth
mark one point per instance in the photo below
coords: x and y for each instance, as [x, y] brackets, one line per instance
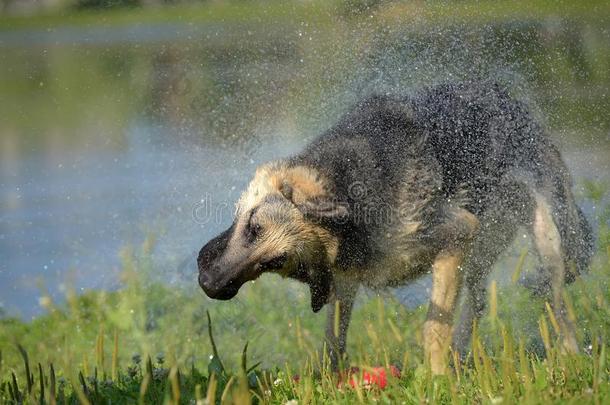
[225, 290]
[275, 263]
[225, 294]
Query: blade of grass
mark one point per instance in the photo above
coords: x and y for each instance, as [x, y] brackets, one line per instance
[28, 375]
[144, 388]
[395, 331]
[41, 378]
[244, 358]
[213, 343]
[546, 337]
[16, 391]
[569, 306]
[519, 266]
[252, 368]
[174, 377]
[99, 350]
[11, 393]
[198, 397]
[115, 357]
[211, 394]
[52, 385]
[552, 318]
[149, 366]
[85, 364]
[524, 369]
[241, 395]
[82, 394]
[83, 383]
[225, 393]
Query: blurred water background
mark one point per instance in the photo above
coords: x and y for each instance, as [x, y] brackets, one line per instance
[124, 122]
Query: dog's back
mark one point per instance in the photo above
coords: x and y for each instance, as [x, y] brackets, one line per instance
[453, 141]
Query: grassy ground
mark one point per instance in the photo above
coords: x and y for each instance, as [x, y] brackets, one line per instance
[318, 11]
[151, 343]
[228, 12]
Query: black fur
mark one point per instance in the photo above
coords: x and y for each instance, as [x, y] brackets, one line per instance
[451, 141]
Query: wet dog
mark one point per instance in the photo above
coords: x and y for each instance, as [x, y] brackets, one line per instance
[438, 182]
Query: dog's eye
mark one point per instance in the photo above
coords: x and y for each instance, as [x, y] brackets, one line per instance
[255, 230]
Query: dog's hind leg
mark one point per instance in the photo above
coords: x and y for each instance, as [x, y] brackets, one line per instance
[479, 265]
[549, 246]
[499, 225]
[485, 251]
[562, 235]
[338, 316]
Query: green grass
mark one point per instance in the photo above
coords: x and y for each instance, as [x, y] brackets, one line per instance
[225, 12]
[152, 343]
[406, 12]
[101, 358]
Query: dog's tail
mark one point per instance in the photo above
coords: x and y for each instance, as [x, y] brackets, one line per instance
[575, 231]
[554, 183]
[534, 153]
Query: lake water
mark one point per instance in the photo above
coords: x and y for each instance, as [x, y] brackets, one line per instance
[109, 135]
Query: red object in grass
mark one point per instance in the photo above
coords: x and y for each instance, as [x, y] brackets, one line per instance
[373, 376]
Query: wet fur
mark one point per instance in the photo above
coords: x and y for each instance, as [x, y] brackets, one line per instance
[400, 187]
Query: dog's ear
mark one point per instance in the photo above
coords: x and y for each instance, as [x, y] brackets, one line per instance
[319, 286]
[324, 210]
[286, 190]
[320, 208]
[319, 278]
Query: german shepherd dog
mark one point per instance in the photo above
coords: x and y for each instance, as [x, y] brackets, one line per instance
[439, 182]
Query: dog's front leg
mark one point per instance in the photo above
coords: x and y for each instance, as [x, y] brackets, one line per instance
[446, 280]
[338, 317]
[457, 235]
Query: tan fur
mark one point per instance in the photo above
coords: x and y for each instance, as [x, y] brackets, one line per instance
[446, 280]
[548, 244]
[269, 178]
[297, 234]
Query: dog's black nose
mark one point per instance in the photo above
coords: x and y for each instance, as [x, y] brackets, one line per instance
[204, 280]
[214, 290]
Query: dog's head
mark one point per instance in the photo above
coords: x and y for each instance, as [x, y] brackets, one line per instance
[281, 225]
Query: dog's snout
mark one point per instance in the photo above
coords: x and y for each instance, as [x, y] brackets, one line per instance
[202, 261]
[204, 280]
[205, 277]
[209, 285]
[221, 273]
[215, 290]
[213, 286]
